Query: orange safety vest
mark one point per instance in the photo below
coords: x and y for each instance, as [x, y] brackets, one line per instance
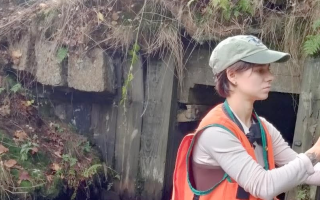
[226, 189]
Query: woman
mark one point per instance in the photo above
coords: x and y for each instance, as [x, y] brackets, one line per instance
[234, 154]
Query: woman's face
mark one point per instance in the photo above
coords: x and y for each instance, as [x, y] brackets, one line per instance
[254, 83]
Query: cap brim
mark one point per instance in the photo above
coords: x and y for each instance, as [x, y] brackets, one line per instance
[267, 56]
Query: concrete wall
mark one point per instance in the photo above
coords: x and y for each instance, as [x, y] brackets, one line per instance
[134, 138]
[90, 71]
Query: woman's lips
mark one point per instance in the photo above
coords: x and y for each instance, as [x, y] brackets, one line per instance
[267, 88]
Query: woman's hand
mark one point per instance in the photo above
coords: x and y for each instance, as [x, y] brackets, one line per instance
[314, 152]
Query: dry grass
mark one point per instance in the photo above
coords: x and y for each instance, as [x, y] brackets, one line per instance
[6, 182]
[168, 38]
[120, 37]
[77, 25]
[298, 25]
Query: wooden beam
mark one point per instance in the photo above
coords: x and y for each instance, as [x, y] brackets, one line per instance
[317, 197]
[129, 124]
[174, 138]
[103, 124]
[157, 120]
[307, 129]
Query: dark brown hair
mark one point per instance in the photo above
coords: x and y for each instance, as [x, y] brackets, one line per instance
[222, 81]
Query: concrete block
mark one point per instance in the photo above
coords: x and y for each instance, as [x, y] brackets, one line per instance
[93, 72]
[49, 71]
[21, 51]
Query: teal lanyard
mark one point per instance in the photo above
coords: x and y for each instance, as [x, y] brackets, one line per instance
[263, 133]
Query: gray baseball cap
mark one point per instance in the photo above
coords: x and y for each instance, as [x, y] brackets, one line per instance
[246, 48]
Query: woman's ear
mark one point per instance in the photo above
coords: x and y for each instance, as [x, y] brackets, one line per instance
[231, 75]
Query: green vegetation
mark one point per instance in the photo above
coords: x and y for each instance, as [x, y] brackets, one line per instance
[312, 44]
[46, 160]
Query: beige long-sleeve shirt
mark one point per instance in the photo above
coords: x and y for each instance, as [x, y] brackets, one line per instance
[217, 147]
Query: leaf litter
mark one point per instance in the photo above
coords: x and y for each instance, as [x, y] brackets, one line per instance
[52, 141]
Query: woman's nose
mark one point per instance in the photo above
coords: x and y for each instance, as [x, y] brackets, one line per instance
[270, 77]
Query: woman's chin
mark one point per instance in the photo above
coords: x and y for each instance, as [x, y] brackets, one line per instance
[263, 97]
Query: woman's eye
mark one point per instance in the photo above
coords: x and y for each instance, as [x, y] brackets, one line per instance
[263, 70]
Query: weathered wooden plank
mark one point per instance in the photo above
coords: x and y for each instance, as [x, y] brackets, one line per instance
[289, 68]
[317, 197]
[129, 124]
[103, 125]
[174, 139]
[308, 114]
[156, 126]
[309, 106]
[286, 84]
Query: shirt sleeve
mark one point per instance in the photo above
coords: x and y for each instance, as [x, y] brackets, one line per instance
[283, 154]
[314, 179]
[227, 150]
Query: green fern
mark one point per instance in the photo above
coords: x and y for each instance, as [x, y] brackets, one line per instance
[134, 58]
[214, 3]
[245, 6]
[16, 88]
[316, 25]
[224, 4]
[229, 9]
[226, 9]
[91, 170]
[312, 45]
[220, 4]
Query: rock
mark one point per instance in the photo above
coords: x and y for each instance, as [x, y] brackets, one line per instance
[49, 70]
[61, 111]
[21, 51]
[93, 72]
